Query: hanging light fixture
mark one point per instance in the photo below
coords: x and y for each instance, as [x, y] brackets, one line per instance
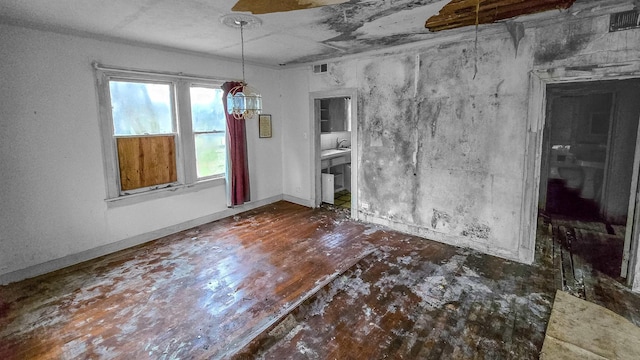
[243, 101]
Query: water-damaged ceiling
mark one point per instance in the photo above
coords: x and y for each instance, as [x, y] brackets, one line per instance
[314, 32]
[460, 13]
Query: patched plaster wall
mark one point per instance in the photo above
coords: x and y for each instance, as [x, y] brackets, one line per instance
[443, 127]
[442, 144]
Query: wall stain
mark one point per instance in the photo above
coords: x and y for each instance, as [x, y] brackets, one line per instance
[348, 18]
[563, 48]
[440, 219]
[432, 115]
[477, 230]
[389, 120]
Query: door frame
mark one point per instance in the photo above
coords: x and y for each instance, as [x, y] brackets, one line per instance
[588, 89]
[539, 78]
[314, 133]
[633, 213]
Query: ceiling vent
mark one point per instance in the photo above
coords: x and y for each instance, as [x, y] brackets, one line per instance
[624, 20]
[319, 68]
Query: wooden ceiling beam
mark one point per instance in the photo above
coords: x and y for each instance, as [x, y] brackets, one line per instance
[257, 7]
[461, 13]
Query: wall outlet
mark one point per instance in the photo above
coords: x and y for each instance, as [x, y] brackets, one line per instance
[365, 206]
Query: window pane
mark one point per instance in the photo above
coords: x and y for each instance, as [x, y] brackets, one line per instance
[210, 154]
[141, 108]
[207, 112]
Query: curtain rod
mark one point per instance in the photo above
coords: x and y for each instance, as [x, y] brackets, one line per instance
[96, 65]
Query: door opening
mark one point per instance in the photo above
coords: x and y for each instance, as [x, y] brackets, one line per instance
[334, 117]
[587, 182]
[335, 153]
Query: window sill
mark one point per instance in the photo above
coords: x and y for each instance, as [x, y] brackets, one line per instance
[125, 200]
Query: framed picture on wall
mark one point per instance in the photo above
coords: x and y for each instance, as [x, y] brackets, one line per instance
[264, 125]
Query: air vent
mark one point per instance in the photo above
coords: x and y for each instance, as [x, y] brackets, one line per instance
[624, 20]
[320, 68]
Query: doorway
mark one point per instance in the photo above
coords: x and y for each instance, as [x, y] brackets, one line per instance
[334, 153]
[334, 116]
[587, 179]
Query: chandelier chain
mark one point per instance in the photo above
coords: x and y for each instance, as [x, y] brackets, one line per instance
[242, 47]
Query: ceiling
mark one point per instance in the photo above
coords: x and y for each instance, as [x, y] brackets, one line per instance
[461, 13]
[291, 37]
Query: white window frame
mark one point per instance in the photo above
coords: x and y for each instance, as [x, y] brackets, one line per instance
[184, 135]
[194, 133]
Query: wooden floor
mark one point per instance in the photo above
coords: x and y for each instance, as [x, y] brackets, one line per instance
[587, 258]
[417, 299]
[198, 294]
[288, 282]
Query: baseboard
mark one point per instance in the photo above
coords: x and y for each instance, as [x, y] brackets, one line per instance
[459, 241]
[73, 259]
[297, 200]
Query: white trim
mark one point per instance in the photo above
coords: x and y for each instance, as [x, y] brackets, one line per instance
[432, 235]
[96, 252]
[631, 231]
[185, 131]
[314, 145]
[182, 124]
[130, 73]
[539, 79]
[164, 192]
[297, 200]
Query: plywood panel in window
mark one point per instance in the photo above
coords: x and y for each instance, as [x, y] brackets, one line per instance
[146, 161]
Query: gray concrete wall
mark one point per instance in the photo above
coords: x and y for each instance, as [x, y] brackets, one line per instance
[441, 144]
[443, 126]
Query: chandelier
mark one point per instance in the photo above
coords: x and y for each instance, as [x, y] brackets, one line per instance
[243, 101]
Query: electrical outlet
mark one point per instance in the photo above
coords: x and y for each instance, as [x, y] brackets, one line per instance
[365, 206]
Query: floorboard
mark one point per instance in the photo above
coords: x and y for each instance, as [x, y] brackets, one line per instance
[414, 298]
[596, 256]
[289, 282]
[197, 294]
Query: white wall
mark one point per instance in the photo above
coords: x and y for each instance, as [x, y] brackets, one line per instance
[52, 183]
[51, 173]
[296, 139]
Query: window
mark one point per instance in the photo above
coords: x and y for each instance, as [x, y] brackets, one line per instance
[209, 124]
[160, 131]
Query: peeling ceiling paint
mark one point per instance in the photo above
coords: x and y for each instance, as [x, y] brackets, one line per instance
[362, 25]
[320, 30]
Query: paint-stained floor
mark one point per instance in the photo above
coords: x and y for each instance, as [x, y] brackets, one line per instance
[417, 299]
[288, 282]
[201, 293]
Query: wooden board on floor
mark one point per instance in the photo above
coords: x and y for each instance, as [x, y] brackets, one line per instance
[579, 329]
[594, 226]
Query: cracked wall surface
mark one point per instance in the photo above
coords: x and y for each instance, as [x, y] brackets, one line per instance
[442, 128]
[442, 147]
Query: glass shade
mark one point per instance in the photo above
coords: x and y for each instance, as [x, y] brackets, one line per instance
[243, 101]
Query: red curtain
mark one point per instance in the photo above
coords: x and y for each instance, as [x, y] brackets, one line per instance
[237, 165]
